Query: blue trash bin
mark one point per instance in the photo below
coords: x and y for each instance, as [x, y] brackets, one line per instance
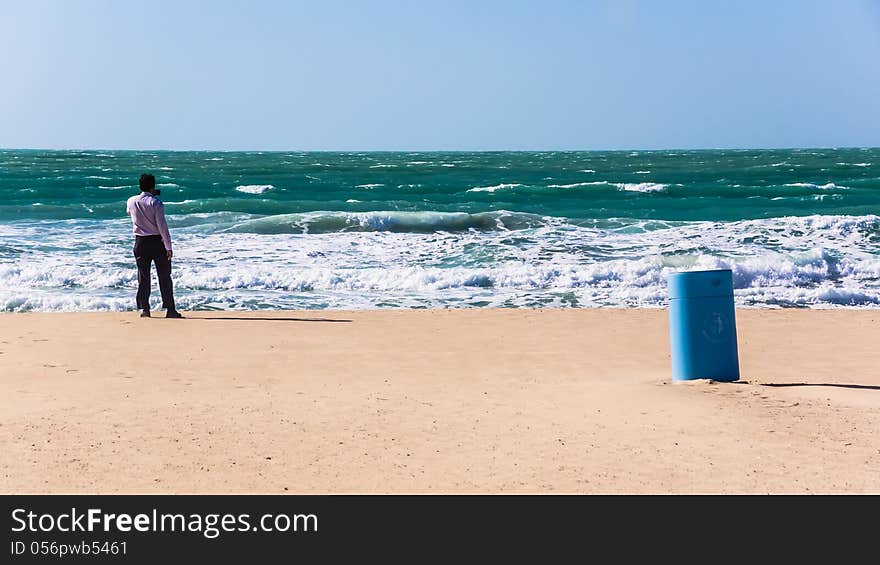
[702, 326]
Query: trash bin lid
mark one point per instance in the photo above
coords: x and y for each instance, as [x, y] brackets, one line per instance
[700, 284]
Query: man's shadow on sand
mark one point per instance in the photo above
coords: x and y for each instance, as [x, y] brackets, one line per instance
[268, 319]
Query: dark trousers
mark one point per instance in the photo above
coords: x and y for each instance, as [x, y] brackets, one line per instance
[149, 248]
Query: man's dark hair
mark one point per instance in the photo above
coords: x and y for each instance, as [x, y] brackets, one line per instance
[148, 182]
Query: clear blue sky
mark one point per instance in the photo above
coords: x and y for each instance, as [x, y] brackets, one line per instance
[454, 75]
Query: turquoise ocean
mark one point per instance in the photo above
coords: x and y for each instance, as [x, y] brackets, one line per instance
[272, 230]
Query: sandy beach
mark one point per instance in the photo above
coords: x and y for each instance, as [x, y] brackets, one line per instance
[433, 401]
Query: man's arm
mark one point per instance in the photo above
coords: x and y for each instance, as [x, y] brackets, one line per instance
[163, 227]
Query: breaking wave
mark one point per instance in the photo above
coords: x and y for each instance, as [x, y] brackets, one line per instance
[254, 188]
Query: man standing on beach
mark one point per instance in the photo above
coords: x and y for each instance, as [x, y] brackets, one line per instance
[152, 242]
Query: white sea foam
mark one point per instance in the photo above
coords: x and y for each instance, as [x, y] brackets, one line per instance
[26, 301]
[382, 166]
[641, 186]
[826, 186]
[769, 279]
[10, 230]
[447, 164]
[853, 164]
[119, 187]
[254, 188]
[352, 201]
[409, 259]
[372, 185]
[643, 172]
[501, 186]
[98, 178]
[586, 171]
[577, 184]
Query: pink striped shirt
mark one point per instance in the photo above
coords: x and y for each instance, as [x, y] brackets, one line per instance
[148, 217]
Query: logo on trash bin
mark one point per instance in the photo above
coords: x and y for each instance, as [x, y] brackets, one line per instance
[714, 327]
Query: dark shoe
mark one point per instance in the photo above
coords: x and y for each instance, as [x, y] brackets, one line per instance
[145, 313]
[173, 314]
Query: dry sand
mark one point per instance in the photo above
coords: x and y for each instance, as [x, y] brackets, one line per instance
[433, 401]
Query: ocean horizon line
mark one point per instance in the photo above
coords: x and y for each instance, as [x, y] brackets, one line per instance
[453, 151]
